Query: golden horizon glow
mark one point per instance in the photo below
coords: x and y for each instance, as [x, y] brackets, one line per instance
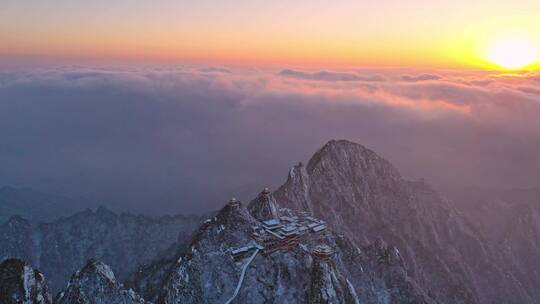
[396, 33]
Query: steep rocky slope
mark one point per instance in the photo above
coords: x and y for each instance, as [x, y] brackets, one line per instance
[63, 246]
[511, 219]
[22, 284]
[521, 244]
[363, 196]
[214, 272]
[150, 277]
[96, 284]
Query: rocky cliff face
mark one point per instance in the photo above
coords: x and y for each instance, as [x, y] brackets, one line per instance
[219, 269]
[328, 285]
[96, 284]
[21, 284]
[363, 196]
[61, 247]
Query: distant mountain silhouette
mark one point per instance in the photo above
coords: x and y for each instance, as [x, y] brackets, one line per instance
[37, 205]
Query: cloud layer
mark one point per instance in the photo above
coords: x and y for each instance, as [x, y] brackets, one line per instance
[176, 138]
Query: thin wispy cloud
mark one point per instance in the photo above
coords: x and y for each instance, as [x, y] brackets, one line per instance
[329, 76]
[423, 77]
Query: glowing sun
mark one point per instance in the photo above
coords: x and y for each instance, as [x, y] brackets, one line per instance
[514, 52]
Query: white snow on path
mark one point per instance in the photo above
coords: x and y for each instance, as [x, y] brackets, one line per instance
[241, 280]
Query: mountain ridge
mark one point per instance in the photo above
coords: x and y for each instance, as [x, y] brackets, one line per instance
[363, 196]
[345, 228]
[60, 247]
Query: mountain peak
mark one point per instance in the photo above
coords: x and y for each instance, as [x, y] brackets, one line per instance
[264, 206]
[342, 144]
[233, 211]
[95, 267]
[347, 154]
[96, 283]
[233, 216]
[106, 213]
[342, 168]
[293, 258]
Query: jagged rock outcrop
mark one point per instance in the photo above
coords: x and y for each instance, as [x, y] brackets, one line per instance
[264, 206]
[211, 273]
[63, 246]
[96, 284]
[22, 284]
[362, 195]
[327, 285]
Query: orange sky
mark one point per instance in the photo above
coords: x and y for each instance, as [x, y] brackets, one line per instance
[416, 33]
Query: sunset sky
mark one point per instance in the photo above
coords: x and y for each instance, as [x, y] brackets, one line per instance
[193, 101]
[414, 33]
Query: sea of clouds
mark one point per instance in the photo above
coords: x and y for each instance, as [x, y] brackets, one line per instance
[185, 138]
